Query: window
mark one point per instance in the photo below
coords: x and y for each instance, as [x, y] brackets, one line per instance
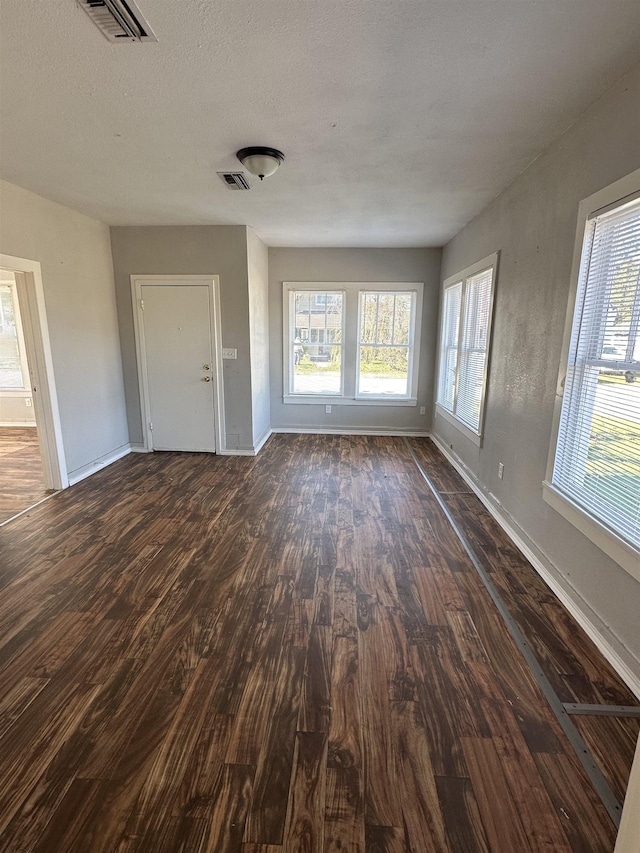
[596, 465]
[385, 343]
[465, 330]
[352, 342]
[13, 367]
[317, 325]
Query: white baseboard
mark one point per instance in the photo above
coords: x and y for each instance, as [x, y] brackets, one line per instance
[238, 451]
[266, 435]
[97, 464]
[139, 448]
[625, 664]
[21, 424]
[351, 431]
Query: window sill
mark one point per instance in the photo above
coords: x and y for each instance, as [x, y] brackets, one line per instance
[624, 554]
[306, 399]
[457, 423]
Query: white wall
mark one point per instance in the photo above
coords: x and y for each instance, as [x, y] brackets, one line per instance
[532, 223]
[354, 265]
[190, 250]
[75, 256]
[258, 279]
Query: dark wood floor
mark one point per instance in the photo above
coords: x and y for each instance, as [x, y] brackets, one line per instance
[21, 478]
[288, 653]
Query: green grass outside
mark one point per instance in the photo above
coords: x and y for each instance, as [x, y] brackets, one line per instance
[615, 443]
[615, 446]
[381, 368]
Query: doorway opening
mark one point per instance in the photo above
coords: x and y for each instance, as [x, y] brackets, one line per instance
[32, 464]
[21, 471]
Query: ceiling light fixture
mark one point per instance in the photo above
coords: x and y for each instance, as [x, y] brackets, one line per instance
[260, 161]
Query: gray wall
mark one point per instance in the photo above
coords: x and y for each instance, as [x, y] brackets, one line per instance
[354, 265]
[258, 276]
[15, 411]
[533, 224]
[77, 275]
[190, 250]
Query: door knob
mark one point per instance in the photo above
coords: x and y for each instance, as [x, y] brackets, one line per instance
[206, 379]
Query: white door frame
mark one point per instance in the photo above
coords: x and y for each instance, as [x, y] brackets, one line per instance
[213, 282]
[43, 387]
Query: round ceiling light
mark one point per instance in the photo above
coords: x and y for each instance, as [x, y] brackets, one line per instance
[260, 161]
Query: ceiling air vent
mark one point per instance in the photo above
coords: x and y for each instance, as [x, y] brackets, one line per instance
[235, 180]
[118, 20]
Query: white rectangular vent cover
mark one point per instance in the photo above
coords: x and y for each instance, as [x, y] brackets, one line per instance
[235, 180]
[118, 20]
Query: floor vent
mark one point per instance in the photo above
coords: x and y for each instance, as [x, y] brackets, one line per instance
[118, 20]
[235, 180]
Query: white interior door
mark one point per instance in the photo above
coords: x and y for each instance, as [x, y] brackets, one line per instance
[178, 357]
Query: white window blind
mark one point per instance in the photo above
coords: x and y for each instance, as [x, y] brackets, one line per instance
[449, 346]
[597, 461]
[464, 344]
[473, 348]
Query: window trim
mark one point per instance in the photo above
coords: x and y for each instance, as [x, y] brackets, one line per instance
[490, 262]
[351, 291]
[604, 537]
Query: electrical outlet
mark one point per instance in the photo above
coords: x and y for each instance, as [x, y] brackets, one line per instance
[500, 470]
[327, 410]
[229, 352]
[423, 410]
[28, 402]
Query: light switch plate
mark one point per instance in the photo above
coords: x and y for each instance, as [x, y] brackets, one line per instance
[228, 352]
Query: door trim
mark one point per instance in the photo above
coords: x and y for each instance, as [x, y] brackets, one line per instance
[213, 281]
[43, 386]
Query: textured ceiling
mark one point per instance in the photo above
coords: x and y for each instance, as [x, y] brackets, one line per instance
[400, 119]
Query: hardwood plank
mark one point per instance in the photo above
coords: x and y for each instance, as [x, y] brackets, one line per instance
[344, 828]
[227, 825]
[611, 741]
[491, 787]
[345, 731]
[63, 833]
[385, 839]
[315, 706]
[261, 848]
[165, 777]
[382, 807]
[17, 700]
[541, 825]
[268, 810]
[463, 824]
[423, 822]
[583, 817]
[304, 831]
